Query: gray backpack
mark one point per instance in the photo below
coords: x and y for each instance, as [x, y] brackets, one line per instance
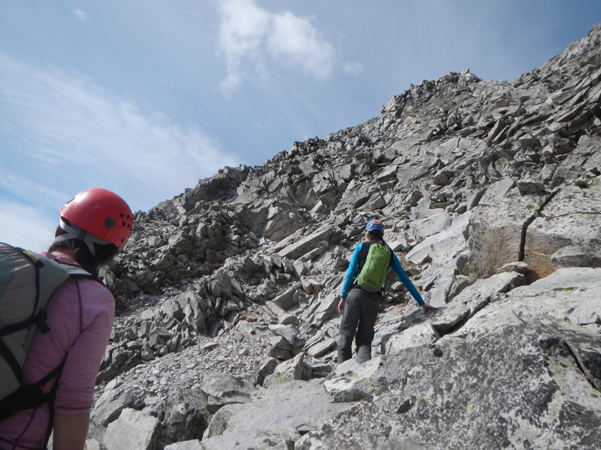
[27, 281]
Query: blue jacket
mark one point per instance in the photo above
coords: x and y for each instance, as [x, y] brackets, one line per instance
[351, 273]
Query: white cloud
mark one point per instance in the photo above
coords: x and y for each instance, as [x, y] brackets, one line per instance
[79, 14]
[26, 226]
[27, 188]
[294, 39]
[352, 68]
[248, 34]
[66, 125]
[243, 26]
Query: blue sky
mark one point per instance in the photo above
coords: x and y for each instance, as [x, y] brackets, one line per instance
[145, 97]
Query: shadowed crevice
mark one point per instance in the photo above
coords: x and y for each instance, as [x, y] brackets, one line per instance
[531, 219]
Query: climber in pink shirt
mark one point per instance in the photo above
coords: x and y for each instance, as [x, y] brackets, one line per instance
[93, 226]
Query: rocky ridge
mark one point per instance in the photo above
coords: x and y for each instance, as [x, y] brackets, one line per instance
[490, 193]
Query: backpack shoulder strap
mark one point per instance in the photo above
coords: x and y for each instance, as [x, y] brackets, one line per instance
[391, 253]
[53, 268]
[47, 275]
[50, 274]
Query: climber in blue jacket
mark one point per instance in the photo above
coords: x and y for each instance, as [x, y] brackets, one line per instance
[359, 308]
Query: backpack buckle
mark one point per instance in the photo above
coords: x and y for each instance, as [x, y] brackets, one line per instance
[40, 321]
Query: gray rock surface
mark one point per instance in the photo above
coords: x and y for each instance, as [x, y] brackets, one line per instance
[519, 374]
[278, 416]
[227, 321]
[185, 445]
[132, 430]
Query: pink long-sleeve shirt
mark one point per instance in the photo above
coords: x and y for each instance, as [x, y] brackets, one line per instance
[80, 317]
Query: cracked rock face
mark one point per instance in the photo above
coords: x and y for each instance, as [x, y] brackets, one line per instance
[565, 231]
[517, 375]
[227, 295]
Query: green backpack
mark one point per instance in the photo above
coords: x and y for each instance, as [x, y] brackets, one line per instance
[27, 280]
[373, 273]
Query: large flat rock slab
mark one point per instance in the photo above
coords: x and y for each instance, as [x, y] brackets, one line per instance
[496, 227]
[427, 328]
[278, 415]
[567, 233]
[306, 244]
[521, 373]
[133, 430]
[569, 296]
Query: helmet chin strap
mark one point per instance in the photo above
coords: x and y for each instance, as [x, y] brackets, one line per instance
[74, 232]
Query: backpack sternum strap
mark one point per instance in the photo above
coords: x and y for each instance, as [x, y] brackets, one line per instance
[10, 359]
[31, 396]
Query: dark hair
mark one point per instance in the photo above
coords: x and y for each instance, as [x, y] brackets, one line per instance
[376, 234]
[83, 255]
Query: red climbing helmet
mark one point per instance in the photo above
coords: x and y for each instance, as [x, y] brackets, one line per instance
[101, 213]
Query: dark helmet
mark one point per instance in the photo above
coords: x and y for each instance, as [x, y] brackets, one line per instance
[375, 225]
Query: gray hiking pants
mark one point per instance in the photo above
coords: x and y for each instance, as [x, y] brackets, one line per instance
[359, 317]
